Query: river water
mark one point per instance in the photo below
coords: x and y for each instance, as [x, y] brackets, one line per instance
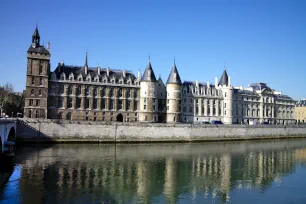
[231, 172]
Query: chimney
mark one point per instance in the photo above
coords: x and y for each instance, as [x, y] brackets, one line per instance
[197, 83]
[138, 74]
[123, 73]
[107, 71]
[48, 46]
[216, 82]
[208, 84]
[229, 80]
[99, 70]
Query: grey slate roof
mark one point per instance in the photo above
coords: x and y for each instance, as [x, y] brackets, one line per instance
[301, 102]
[186, 83]
[39, 49]
[171, 78]
[246, 92]
[283, 97]
[259, 86]
[92, 71]
[224, 79]
[145, 76]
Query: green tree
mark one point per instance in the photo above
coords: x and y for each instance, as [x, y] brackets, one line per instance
[6, 92]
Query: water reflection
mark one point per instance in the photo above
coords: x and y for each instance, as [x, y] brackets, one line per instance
[151, 173]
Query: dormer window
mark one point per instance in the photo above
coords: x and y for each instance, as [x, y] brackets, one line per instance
[62, 78]
[70, 78]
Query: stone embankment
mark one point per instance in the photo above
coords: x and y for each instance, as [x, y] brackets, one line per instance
[30, 130]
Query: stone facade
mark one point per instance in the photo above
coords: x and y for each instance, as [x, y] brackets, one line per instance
[300, 110]
[38, 69]
[105, 94]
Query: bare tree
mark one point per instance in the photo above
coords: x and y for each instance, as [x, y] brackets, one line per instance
[6, 92]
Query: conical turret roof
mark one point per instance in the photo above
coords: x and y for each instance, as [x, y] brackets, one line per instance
[148, 74]
[36, 33]
[174, 77]
[224, 78]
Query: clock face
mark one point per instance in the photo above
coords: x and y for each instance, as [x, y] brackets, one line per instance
[33, 45]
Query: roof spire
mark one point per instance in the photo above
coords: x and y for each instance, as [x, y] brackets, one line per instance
[174, 61]
[224, 66]
[86, 59]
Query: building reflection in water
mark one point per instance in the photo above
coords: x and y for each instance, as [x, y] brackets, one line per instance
[150, 173]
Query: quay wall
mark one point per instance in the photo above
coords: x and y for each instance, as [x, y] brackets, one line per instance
[30, 130]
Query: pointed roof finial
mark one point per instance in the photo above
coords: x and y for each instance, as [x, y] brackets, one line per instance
[224, 66]
[86, 59]
[174, 60]
[149, 58]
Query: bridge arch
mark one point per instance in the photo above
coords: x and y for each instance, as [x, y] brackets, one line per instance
[1, 144]
[12, 135]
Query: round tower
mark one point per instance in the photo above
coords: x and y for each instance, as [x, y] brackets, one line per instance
[227, 91]
[173, 102]
[148, 96]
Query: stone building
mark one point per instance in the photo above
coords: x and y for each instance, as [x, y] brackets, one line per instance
[105, 94]
[300, 110]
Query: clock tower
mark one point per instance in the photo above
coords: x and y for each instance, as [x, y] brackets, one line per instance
[38, 69]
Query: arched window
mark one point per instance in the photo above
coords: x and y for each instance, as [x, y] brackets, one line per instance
[36, 114]
[32, 92]
[95, 91]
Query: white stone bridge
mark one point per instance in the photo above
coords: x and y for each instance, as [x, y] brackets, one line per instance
[7, 134]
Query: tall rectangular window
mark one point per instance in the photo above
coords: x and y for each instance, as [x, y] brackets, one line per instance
[33, 80]
[128, 104]
[86, 103]
[60, 102]
[37, 102]
[103, 106]
[111, 104]
[78, 102]
[135, 105]
[120, 105]
[95, 103]
[69, 102]
[40, 81]
[41, 68]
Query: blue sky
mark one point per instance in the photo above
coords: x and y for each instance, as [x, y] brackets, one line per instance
[259, 40]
